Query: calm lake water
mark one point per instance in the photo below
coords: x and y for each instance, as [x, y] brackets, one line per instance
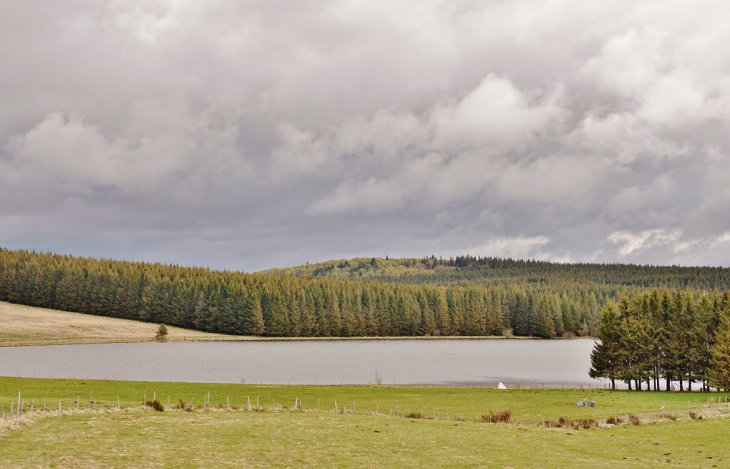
[439, 362]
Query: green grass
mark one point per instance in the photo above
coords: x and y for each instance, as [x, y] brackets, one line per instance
[527, 405]
[333, 440]
[137, 438]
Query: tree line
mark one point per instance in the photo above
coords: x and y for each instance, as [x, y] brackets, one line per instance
[287, 306]
[613, 280]
[678, 337]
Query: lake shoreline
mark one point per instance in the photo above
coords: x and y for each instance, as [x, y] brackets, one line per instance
[88, 341]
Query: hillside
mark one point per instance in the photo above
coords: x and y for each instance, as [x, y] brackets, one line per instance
[359, 298]
[25, 325]
[492, 271]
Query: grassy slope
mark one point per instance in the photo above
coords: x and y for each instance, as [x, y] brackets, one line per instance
[325, 439]
[27, 325]
[24, 325]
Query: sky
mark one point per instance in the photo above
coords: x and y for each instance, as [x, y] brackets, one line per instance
[246, 135]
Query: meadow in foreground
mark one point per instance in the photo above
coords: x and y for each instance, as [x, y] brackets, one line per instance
[99, 435]
[310, 439]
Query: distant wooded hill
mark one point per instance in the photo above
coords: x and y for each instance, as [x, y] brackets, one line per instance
[494, 271]
[465, 296]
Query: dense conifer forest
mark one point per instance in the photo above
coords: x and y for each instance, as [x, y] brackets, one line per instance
[675, 336]
[465, 296]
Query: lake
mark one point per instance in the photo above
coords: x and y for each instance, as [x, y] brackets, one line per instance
[436, 362]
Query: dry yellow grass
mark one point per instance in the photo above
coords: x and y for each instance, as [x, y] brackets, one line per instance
[24, 325]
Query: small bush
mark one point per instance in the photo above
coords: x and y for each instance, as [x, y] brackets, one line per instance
[184, 406]
[670, 417]
[585, 424]
[503, 416]
[155, 405]
[614, 420]
[695, 416]
[414, 415]
[161, 333]
[634, 419]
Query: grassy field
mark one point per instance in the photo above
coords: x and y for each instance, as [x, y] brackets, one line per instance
[133, 437]
[526, 405]
[25, 325]
[327, 440]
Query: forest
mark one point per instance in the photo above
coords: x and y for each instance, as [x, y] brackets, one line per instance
[465, 296]
[677, 336]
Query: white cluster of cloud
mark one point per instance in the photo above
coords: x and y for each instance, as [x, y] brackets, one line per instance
[252, 134]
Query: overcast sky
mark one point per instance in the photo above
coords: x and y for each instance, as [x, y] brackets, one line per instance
[253, 134]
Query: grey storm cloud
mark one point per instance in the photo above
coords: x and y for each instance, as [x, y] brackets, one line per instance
[253, 134]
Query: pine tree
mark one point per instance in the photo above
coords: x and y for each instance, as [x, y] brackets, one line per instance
[606, 355]
[256, 317]
[719, 375]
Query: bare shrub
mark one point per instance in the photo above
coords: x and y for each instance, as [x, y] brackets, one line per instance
[184, 406]
[503, 416]
[378, 378]
[414, 415]
[634, 419]
[614, 420]
[585, 423]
